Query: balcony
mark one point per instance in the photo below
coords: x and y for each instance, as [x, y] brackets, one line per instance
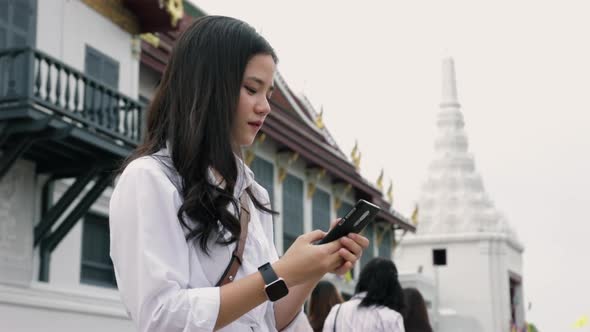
[70, 126]
[61, 119]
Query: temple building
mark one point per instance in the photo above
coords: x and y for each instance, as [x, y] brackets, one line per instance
[468, 256]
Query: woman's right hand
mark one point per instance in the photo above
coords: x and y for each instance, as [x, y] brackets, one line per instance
[304, 260]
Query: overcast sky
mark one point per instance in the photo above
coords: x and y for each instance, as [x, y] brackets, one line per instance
[523, 77]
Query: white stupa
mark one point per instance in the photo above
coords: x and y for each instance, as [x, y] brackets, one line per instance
[478, 267]
[453, 197]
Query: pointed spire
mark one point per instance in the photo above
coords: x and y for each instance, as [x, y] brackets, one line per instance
[355, 155]
[319, 121]
[414, 217]
[380, 180]
[453, 199]
[449, 85]
[390, 192]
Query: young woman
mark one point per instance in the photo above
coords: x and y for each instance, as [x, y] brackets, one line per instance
[323, 297]
[178, 206]
[415, 314]
[376, 305]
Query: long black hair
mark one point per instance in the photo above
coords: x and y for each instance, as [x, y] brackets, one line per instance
[415, 314]
[379, 279]
[192, 113]
[323, 297]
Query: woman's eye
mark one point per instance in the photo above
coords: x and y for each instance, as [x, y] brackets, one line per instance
[250, 90]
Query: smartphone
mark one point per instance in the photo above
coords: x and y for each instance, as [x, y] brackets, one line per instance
[353, 222]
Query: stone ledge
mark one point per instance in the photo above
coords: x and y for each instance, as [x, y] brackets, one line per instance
[92, 302]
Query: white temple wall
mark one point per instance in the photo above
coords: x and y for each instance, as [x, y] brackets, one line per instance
[473, 288]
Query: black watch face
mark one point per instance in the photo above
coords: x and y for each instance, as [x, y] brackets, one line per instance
[277, 290]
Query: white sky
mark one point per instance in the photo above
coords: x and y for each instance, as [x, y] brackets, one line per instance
[523, 76]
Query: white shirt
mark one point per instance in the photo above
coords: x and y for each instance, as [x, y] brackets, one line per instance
[352, 318]
[165, 282]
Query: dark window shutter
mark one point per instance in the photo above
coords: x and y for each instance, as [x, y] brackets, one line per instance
[3, 11]
[105, 70]
[385, 245]
[18, 21]
[92, 65]
[368, 253]
[102, 68]
[17, 29]
[110, 73]
[264, 173]
[97, 267]
[2, 37]
[292, 210]
[321, 210]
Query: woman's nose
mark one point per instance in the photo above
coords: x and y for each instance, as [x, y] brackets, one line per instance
[263, 107]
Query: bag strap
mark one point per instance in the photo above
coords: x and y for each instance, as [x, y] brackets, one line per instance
[236, 258]
[336, 317]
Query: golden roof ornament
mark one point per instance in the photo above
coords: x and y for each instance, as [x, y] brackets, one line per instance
[250, 152]
[151, 39]
[390, 192]
[175, 9]
[380, 181]
[355, 155]
[414, 217]
[319, 122]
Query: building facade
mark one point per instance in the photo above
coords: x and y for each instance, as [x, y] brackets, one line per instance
[75, 78]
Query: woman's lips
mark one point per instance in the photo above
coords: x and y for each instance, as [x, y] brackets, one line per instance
[256, 124]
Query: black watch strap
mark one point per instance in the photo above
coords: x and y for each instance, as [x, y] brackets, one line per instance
[268, 273]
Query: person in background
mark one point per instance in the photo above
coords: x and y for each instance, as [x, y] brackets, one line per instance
[415, 314]
[323, 297]
[376, 305]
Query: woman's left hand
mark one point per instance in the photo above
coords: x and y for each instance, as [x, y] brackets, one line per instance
[352, 249]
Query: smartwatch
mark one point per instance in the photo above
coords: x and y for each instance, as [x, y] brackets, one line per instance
[275, 288]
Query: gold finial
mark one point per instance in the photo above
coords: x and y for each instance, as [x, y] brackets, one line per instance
[355, 150]
[337, 203]
[251, 151]
[285, 159]
[380, 181]
[314, 176]
[390, 192]
[151, 39]
[319, 119]
[357, 162]
[176, 10]
[339, 191]
[249, 157]
[380, 234]
[414, 217]
[355, 155]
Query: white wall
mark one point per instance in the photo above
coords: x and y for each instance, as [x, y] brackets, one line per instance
[65, 27]
[17, 204]
[42, 308]
[474, 284]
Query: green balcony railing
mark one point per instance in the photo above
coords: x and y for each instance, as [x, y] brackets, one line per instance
[31, 77]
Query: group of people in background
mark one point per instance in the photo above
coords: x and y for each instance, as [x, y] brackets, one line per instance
[379, 304]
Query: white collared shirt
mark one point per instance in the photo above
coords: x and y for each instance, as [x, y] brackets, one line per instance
[166, 283]
[352, 318]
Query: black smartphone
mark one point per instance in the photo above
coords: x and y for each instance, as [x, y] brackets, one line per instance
[353, 222]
